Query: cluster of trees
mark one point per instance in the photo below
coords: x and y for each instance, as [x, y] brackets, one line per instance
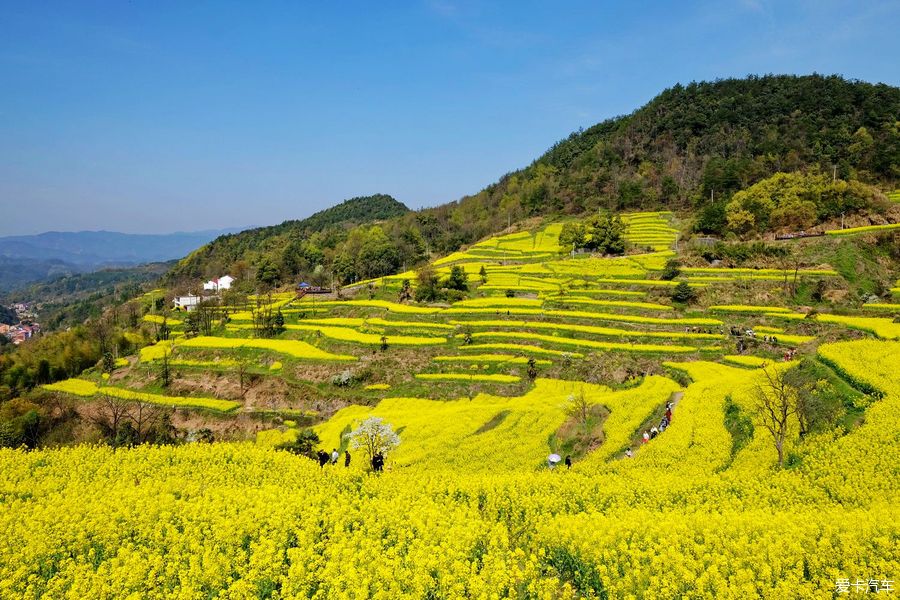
[47, 359]
[266, 322]
[308, 248]
[369, 252]
[797, 201]
[203, 320]
[736, 254]
[129, 423]
[26, 423]
[602, 233]
[432, 288]
[696, 145]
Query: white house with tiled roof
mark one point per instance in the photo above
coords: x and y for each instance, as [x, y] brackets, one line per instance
[219, 283]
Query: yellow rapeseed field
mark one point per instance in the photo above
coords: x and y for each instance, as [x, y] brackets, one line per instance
[468, 505]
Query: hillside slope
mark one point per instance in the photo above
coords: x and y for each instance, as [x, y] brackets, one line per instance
[692, 147]
[695, 145]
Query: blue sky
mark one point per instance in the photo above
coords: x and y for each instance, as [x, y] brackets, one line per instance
[165, 116]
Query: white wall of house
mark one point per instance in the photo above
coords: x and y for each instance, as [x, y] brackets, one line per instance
[186, 302]
[222, 283]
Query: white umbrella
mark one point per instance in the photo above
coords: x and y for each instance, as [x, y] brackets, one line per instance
[554, 458]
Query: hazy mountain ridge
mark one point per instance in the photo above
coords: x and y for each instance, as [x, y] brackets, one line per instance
[25, 259]
[93, 248]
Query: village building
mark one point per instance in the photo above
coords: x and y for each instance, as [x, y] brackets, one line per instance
[186, 303]
[21, 332]
[219, 283]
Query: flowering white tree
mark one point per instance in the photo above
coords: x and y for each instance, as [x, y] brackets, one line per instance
[374, 435]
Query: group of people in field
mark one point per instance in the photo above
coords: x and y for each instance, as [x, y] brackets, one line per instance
[741, 345]
[325, 458]
[654, 431]
[648, 435]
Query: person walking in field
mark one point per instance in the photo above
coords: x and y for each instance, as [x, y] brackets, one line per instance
[628, 453]
[378, 462]
[334, 456]
[346, 459]
[323, 457]
[646, 437]
[568, 461]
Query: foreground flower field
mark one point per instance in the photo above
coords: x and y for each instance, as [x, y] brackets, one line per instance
[683, 518]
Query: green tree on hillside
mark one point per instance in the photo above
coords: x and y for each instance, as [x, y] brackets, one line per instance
[572, 235]
[267, 272]
[671, 270]
[684, 293]
[428, 289]
[457, 279]
[605, 234]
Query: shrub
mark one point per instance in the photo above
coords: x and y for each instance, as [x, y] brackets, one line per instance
[671, 270]
[683, 293]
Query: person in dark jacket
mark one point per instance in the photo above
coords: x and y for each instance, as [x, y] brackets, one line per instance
[346, 459]
[568, 462]
[378, 462]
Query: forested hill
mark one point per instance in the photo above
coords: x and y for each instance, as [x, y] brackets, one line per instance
[691, 147]
[715, 138]
[253, 245]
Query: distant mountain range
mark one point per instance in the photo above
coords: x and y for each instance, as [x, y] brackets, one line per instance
[29, 258]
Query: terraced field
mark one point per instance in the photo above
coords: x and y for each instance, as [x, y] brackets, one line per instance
[539, 308]
[578, 356]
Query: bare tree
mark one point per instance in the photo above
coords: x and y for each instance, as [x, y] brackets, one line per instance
[776, 403]
[103, 332]
[789, 264]
[244, 376]
[578, 406]
[263, 321]
[206, 317]
[110, 415]
[133, 312]
[144, 417]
